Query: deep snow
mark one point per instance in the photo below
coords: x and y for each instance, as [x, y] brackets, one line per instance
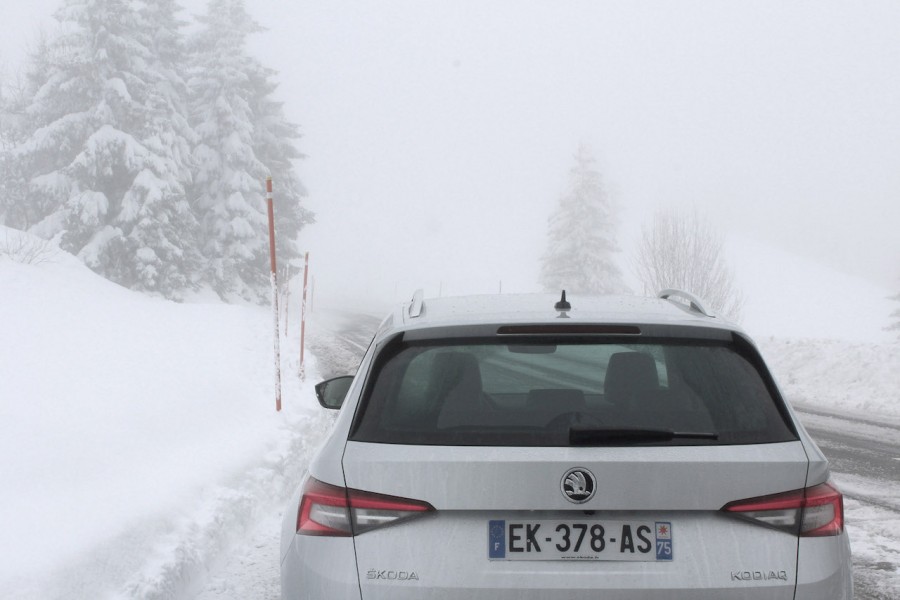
[844, 376]
[137, 436]
[139, 440]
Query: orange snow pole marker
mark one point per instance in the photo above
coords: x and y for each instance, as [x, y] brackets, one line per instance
[273, 278]
[303, 315]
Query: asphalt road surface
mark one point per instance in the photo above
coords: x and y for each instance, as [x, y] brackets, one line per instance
[865, 461]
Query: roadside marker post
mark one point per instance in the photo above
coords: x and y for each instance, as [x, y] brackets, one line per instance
[303, 316]
[286, 278]
[273, 278]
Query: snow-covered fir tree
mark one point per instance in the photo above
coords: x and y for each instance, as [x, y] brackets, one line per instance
[104, 162]
[6, 142]
[16, 94]
[895, 317]
[7, 129]
[581, 238]
[274, 145]
[243, 136]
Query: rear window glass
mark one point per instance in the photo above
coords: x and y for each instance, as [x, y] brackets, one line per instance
[535, 394]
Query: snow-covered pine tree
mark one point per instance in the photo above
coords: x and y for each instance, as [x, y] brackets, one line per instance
[581, 238]
[165, 232]
[14, 211]
[243, 136]
[6, 142]
[104, 159]
[895, 316]
[7, 128]
[274, 145]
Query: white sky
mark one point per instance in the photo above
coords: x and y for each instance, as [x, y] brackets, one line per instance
[439, 134]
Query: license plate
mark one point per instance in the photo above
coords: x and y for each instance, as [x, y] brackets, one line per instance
[580, 540]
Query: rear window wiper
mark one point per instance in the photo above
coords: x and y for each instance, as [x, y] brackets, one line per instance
[592, 436]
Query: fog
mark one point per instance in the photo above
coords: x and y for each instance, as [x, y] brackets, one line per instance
[439, 135]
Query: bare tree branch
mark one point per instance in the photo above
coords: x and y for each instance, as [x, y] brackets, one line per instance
[26, 249]
[682, 250]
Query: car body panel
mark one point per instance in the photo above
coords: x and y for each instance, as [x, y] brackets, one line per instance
[323, 568]
[448, 554]
[470, 486]
[484, 478]
[822, 568]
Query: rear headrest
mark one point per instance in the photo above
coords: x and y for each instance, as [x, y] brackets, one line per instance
[628, 373]
[455, 371]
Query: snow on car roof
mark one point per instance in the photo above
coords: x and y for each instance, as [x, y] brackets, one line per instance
[540, 308]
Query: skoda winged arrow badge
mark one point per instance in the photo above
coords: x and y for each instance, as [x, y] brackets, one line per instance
[578, 485]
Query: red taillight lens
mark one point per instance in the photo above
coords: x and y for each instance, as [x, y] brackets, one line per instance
[335, 511]
[823, 511]
[323, 510]
[811, 512]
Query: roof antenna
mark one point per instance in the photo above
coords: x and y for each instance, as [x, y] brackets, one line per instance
[563, 306]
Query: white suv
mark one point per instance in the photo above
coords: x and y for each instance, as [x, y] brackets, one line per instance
[525, 447]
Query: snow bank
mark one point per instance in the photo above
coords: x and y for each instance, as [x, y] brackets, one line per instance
[136, 435]
[822, 331]
[837, 375]
[789, 296]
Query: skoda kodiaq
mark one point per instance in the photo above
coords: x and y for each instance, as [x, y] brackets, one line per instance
[528, 447]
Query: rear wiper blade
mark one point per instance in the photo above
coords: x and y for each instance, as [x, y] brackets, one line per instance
[591, 436]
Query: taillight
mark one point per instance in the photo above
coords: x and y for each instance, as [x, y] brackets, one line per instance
[323, 510]
[336, 511]
[812, 512]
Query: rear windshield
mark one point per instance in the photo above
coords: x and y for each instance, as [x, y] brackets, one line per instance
[539, 393]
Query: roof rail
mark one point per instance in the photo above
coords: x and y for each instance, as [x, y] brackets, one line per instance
[695, 302]
[417, 304]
